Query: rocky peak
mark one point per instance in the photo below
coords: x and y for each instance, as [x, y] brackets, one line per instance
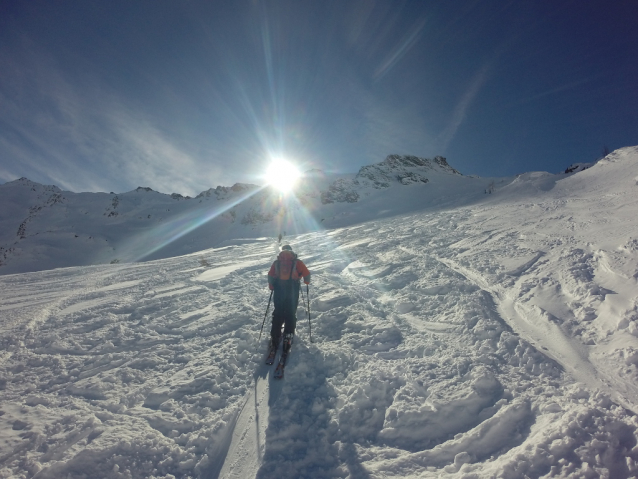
[242, 187]
[27, 183]
[576, 167]
[177, 196]
[408, 161]
[222, 192]
[442, 162]
[405, 169]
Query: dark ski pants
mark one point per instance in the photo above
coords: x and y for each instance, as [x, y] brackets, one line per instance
[286, 299]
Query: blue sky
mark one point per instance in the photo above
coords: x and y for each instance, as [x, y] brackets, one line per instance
[182, 96]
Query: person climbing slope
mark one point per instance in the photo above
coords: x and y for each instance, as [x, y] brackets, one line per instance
[284, 280]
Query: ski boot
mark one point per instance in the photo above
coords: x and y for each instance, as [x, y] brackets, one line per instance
[287, 342]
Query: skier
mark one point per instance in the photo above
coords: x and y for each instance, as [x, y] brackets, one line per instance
[279, 238]
[283, 280]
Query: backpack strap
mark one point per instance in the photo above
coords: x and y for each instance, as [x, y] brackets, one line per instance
[293, 267]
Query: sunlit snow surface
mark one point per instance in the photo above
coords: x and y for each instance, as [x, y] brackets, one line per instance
[497, 340]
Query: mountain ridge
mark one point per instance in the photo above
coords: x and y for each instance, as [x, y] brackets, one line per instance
[44, 227]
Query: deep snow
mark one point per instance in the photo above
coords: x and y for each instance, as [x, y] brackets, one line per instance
[494, 338]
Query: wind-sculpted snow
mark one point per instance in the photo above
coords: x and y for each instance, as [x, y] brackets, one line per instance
[496, 340]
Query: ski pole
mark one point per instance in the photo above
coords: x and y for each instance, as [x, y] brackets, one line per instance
[309, 323]
[264, 321]
[308, 311]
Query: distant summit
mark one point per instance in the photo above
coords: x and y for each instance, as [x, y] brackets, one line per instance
[27, 183]
[223, 192]
[403, 169]
[394, 170]
[409, 161]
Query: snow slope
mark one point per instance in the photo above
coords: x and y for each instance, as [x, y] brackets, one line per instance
[494, 339]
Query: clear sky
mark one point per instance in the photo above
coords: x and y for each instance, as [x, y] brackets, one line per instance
[186, 95]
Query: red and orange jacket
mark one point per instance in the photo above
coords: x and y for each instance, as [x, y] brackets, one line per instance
[287, 266]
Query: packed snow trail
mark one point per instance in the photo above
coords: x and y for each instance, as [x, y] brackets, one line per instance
[246, 449]
[154, 369]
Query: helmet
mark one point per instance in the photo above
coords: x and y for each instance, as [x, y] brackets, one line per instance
[286, 247]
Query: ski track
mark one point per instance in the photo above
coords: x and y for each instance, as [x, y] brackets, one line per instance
[428, 361]
[536, 329]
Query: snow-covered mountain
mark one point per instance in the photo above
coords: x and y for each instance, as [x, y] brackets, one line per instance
[491, 336]
[43, 227]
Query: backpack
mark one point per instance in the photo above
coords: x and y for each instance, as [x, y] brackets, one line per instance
[286, 266]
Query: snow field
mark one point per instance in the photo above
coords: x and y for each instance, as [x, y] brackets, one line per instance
[497, 340]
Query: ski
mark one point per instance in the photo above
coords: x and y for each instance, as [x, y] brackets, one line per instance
[270, 359]
[272, 351]
[279, 372]
[287, 347]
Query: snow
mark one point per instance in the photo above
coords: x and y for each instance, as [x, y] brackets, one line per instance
[492, 337]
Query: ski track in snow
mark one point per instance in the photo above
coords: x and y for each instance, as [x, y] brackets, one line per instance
[537, 330]
[463, 343]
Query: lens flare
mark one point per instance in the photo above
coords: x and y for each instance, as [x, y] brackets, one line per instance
[282, 174]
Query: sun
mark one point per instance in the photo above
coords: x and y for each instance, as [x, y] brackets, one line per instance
[282, 175]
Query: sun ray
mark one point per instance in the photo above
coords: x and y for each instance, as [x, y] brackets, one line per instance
[144, 244]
